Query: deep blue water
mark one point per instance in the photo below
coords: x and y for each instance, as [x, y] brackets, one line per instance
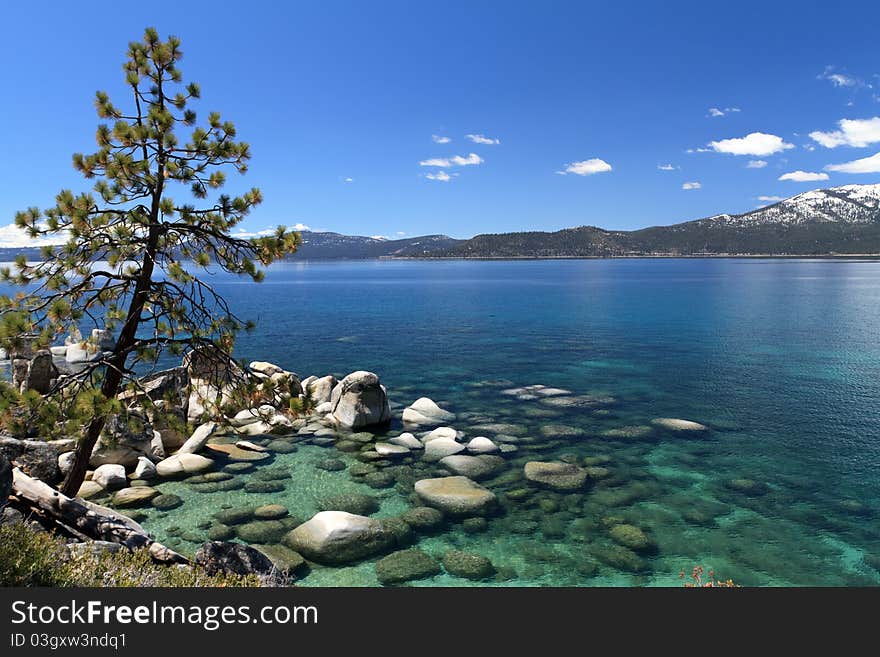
[779, 357]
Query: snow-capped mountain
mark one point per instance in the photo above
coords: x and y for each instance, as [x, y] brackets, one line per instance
[850, 204]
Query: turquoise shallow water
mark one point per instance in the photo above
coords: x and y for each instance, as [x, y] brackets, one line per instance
[779, 357]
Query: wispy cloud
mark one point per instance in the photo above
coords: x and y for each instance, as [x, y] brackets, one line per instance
[348, 180]
[838, 78]
[691, 185]
[864, 165]
[482, 139]
[756, 164]
[771, 199]
[700, 150]
[758, 144]
[853, 132]
[454, 161]
[667, 167]
[441, 176]
[803, 176]
[440, 140]
[715, 112]
[400, 233]
[586, 167]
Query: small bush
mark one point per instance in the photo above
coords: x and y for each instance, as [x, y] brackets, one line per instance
[32, 558]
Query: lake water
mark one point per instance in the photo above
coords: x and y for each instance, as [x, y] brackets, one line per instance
[780, 358]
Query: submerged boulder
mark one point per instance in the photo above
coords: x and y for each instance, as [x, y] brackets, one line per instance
[441, 448]
[406, 566]
[474, 467]
[556, 475]
[335, 537]
[468, 565]
[456, 495]
[677, 425]
[359, 400]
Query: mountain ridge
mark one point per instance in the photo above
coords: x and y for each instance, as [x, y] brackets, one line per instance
[836, 221]
[842, 220]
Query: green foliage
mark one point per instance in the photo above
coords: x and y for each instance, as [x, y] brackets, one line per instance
[32, 558]
[27, 414]
[135, 252]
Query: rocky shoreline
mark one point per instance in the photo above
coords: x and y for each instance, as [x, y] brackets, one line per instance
[446, 473]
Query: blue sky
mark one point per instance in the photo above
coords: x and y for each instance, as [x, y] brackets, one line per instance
[340, 101]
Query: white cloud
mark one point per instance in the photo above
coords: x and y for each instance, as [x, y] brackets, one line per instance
[755, 143]
[401, 233]
[715, 112]
[442, 176]
[440, 140]
[756, 164]
[13, 237]
[838, 79]
[771, 199]
[348, 180]
[803, 176]
[482, 139]
[667, 167]
[864, 165]
[586, 167]
[454, 161]
[699, 150]
[853, 132]
[245, 234]
[691, 185]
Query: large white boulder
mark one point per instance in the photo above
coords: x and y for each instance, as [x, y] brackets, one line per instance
[406, 439]
[320, 389]
[339, 537]
[425, 411]
[482, 445]
[110, 476]
[359, 400]
[264, 368]
[440, 432]
[145, 469]
[181, 464]
[199, 438]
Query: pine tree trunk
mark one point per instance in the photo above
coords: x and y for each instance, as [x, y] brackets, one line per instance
[113, 371]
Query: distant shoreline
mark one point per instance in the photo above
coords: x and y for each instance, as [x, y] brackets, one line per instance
[658, 256]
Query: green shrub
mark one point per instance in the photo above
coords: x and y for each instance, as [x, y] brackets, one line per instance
[31, 558]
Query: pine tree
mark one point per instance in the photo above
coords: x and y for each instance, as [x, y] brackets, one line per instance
[134, 254]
